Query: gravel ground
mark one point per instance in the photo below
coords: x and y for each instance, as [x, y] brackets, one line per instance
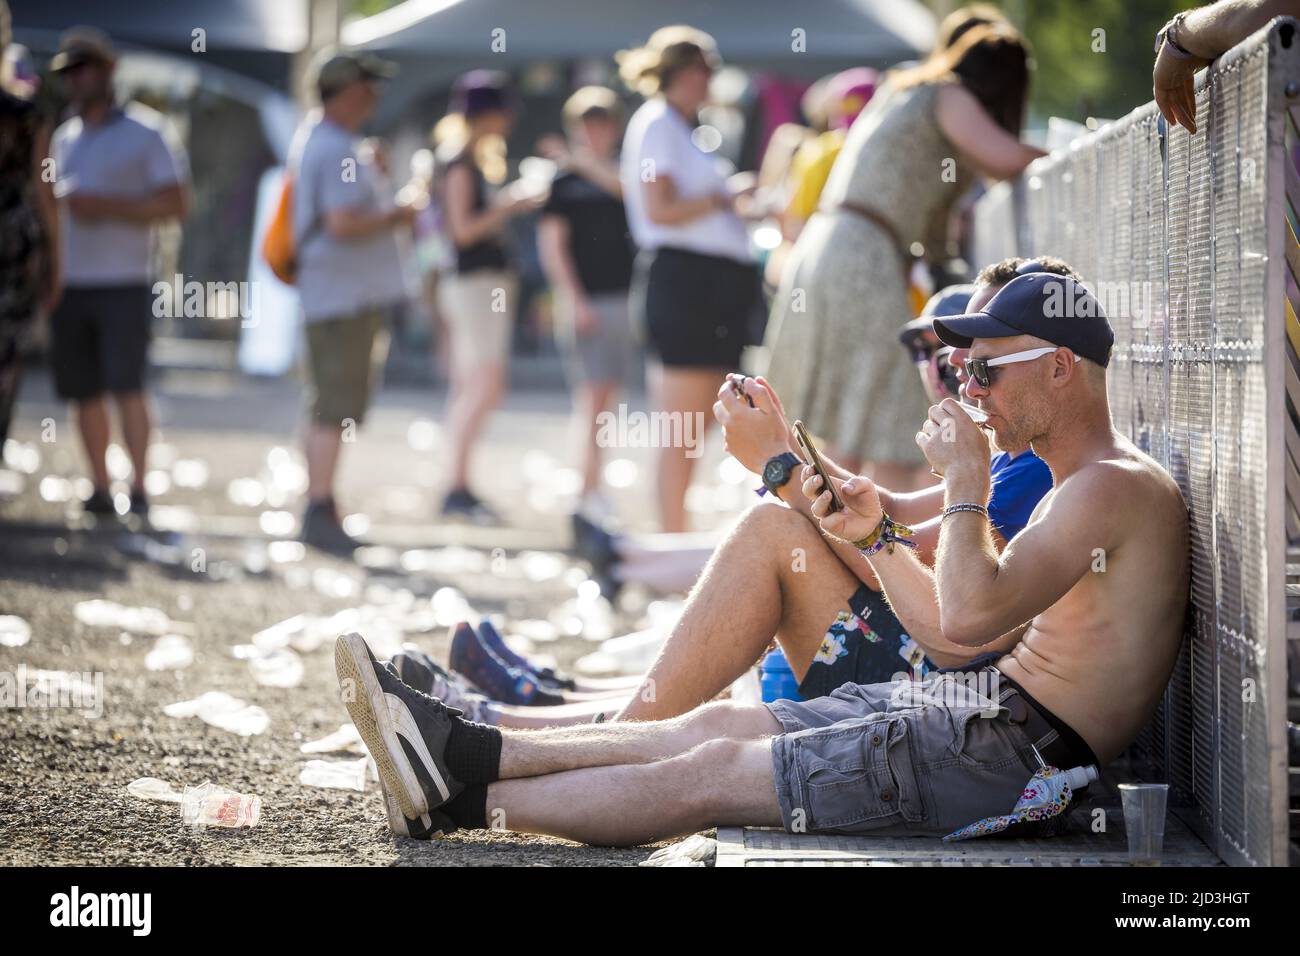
[63, 797]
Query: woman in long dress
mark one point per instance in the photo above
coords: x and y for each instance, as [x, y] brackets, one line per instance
[844, 290]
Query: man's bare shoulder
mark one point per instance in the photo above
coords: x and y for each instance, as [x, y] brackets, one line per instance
[1127, 484]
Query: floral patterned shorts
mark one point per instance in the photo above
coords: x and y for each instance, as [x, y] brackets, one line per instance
[865, 645]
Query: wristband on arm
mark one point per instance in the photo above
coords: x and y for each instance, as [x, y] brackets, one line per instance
[965, 506]
[886, 534]
[1168, 35]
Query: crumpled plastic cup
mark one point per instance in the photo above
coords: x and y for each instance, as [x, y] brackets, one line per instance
[210, 805]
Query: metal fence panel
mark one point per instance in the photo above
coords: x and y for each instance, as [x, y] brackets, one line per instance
[1183, 238]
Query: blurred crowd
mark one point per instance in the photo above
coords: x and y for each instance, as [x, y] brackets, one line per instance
[655, 249]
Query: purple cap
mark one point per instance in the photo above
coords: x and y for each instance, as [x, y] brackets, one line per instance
[481, 91]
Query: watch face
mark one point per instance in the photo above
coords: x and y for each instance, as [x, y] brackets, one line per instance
[775, 472]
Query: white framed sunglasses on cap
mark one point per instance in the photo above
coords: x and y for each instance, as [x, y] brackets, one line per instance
[978, 368]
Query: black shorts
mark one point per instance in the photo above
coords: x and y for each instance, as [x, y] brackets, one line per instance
[99, 340]
[697, 310]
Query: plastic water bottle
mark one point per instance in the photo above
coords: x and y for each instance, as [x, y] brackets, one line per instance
[778, 681]
[1080, 777]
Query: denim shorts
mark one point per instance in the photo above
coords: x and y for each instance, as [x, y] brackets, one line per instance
[898, 758]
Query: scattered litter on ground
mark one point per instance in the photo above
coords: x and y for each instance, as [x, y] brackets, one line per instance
[224, 712]
[151, 788]
[286, 552]
[344, 740]
[335, 774]
[190, 473]
[449, 606]
[695, 850]
[56, 489]
[272, 668]
[14, 631]
[171, 652]
[333, 583]
[536, 630]
[209, 805]
[137, 620]
[626, 654]
[11, 483]
[440, 562]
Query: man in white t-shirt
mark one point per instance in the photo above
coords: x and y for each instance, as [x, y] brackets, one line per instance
[118, 173]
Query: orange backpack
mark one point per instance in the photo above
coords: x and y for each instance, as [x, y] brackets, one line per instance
[277, 242]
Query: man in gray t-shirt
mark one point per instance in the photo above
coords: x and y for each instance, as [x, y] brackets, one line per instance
[119, 172]
[346, 232]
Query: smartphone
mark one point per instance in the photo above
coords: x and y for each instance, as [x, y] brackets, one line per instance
[811, 457]
[740, 392]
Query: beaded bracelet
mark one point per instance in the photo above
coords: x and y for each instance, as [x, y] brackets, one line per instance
[886, 534]
[966, 506]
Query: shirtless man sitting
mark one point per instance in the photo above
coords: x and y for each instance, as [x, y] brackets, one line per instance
[1084, 609]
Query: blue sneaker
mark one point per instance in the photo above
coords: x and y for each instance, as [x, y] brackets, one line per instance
[490, 674]
[546, 676]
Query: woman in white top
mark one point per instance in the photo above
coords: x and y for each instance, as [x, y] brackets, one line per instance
[695, 287]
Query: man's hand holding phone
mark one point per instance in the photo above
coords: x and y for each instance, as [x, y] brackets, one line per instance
[753, 426]
[862, 510]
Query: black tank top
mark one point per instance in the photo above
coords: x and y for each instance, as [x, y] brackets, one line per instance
[488, 253]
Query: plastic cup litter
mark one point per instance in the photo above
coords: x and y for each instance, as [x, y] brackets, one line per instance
[1144, 820]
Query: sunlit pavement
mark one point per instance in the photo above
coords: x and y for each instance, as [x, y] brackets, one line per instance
[221, 566]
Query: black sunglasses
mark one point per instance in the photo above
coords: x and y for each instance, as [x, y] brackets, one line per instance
[982, 369]
[949, 374]
[921, 352]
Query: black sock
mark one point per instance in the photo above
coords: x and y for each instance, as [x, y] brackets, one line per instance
[468, 809]
[546, 699]
[473, 752]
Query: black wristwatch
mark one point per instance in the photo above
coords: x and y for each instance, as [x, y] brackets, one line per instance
[779, 468]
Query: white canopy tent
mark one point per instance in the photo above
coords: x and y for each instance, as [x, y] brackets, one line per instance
[875, 32]
[435, 40]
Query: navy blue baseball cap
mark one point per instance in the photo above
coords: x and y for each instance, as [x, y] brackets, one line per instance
[950, 300]
[1055, 308]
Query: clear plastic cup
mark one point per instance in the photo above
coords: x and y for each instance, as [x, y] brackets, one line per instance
[1144, 820]
[209, 805]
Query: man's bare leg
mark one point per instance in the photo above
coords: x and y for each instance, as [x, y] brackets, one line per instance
[92, 422]
[774, 575]
[720, 782]
[532, 753]
[136, 426]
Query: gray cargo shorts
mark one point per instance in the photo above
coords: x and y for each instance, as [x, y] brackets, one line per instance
[899, 758]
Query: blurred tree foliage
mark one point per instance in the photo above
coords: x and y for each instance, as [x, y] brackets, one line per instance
[1073, 81]
[368, 8]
